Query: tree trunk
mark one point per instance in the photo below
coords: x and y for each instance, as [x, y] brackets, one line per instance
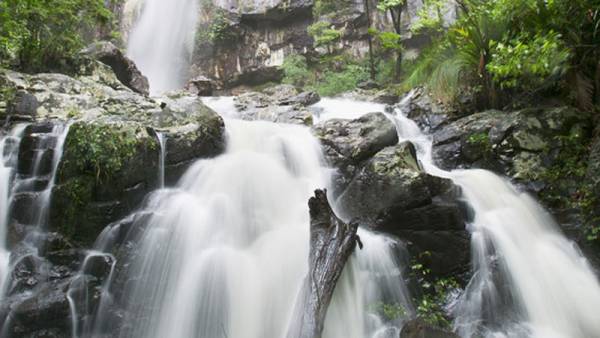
[331, 243]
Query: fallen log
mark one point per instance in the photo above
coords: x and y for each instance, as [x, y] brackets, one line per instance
[331, 244]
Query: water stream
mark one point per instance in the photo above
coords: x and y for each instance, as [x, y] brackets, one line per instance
[9, 152]
[528, 280]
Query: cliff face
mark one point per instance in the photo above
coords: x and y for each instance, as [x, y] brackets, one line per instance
[244, 42]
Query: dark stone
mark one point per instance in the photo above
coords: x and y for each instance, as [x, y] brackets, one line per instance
[349, 142]
[201, 86]
[98, 266]
[418, 328]
[124, 68]
[47, 310]
[392, 178]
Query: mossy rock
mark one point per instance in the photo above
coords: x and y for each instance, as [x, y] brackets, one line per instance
[106, 171]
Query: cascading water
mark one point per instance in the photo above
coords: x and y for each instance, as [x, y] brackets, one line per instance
[224, 253]
[9, 151]
[162, 42]
[528, 279]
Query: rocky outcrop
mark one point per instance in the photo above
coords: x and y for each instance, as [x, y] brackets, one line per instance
[381, 183]
[123, 67]
[111, 153]
[282, 104]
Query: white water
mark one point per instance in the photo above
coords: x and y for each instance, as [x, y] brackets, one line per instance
[9, 151]
[224, 253]
[162, 42]
[162, 142]
[529, 280]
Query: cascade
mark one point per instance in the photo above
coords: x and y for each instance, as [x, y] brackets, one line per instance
[528, 280]
[224, 252]
[162, 141]
[9, 152]
[162, 41]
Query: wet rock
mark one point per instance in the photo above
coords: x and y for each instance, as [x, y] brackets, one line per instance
[282, 104]
[517, 144]
[98, 266]
[46, 310]
[124, 68]
[392, 194]
[418, 328]
[201, 86]
[346, 143]
[392, 178]
[429, 115]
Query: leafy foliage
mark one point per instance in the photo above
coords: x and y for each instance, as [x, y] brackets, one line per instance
[520, 46]
[324, 33]
[526, 61]
[99, 150]
[217, 31]
[38, 34]
[329, 77]
[296, 72]
[436, 291]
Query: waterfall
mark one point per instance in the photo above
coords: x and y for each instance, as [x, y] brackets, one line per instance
[529, 280]
[225, 251]
[162, 141]
[162, 42]
[9, 152]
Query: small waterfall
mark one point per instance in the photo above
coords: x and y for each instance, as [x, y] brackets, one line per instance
[162, 42]
[9, 152]
[162, 141]
[90, 320]
[224, 252]
[528, 279]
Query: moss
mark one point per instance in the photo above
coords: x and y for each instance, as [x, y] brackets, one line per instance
[98, 150]
[71, 198]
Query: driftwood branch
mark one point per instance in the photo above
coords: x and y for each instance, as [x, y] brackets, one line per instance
[331, 244]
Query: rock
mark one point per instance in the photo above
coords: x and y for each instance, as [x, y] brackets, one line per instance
[47, 309]
[392, 194]
[418, 328]
[369, 84]
[124, 68]
[201, 86]
[392, 178]
[516, 144]
[23, 107]
[429, 115]
[349, 142]
[282, 104]
[98, 266]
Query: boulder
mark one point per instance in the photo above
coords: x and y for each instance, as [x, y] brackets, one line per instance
[347, 143]
[429, 114]
[392, 194]
[282, 104]
[47, 309]
[124, 68]
[392, 178]
[201, 86]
